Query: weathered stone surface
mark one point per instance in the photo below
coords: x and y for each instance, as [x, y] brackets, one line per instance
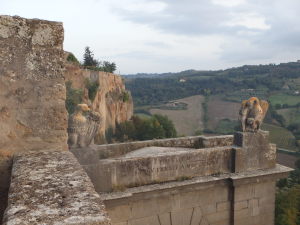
[32, 97]
[216, 141]
[165, 165]
[50, 187]
[109, 98]
[119, 149]
[5, 173]
[254, 151]
[212, 199]
[83, 126]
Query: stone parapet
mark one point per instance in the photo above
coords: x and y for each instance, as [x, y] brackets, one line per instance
[225, 199]
[119, 149]
[161, 165]
[50, 187]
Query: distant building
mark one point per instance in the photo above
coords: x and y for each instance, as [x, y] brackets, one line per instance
[182, 80]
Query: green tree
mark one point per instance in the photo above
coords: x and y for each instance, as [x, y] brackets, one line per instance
[167, 125]
[88, 58]
[108, 67]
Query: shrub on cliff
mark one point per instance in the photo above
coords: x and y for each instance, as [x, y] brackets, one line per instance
[92, 87]
[72, 58]
[125, 96]
[74, 97]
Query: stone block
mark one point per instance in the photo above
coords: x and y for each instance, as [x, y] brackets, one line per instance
[163, 164]
[197, 216]
[49, 187]
[151, 220]
[253, 151]
[182, 216]
[165, 219]
[223, 206]
[33, 115]
[120, 213]
[223, 216]
[241, 205]
[144, 208]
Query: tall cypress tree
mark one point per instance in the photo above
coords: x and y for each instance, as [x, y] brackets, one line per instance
[88, 58]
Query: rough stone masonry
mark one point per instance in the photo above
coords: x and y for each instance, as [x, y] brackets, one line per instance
[47, 185]
[32, 97]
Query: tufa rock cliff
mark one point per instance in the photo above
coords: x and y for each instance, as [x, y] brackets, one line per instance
[111, 100]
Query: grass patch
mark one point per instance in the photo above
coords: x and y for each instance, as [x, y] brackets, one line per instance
[282, 137]
[291, 115]
[284, 99]
[226, 126]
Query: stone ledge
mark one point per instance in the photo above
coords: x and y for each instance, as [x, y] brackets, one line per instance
[118, 149]
[223, 179]
[51, 187]
[161, 165]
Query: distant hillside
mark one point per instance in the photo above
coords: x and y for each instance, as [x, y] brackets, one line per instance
[223, 91]
[234, 83]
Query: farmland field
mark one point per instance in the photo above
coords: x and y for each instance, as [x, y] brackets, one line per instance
[188, 121]
[291, 115]
[282, 137]
[281, 98]
[219, 110]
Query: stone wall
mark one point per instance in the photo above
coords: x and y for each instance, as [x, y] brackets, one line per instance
[184, 204]
[193, 180]
[50, 187]
[32, 96]
[227, 199]
[119, 149]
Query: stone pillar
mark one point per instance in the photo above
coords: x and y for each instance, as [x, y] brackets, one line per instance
[254, 182]
[253, 151]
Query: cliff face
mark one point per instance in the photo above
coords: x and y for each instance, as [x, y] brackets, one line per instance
[112, 100]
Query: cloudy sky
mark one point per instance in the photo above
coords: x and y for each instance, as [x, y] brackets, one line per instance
[173, 35]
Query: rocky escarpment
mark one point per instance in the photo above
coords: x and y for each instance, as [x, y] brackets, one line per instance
[111, 100]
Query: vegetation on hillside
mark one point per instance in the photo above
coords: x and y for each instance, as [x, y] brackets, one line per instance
[279, 84]
[287, 208]
[154, 127]
[73, 97]
[262, 81]
[92, 87]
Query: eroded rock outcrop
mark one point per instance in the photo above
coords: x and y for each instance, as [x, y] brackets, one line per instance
[83, 125]
[112, 101]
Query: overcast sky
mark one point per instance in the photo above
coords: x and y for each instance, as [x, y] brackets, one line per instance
[173, 35]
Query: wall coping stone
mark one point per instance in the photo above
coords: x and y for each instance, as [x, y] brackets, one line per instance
[223, 179]
[50, 187]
